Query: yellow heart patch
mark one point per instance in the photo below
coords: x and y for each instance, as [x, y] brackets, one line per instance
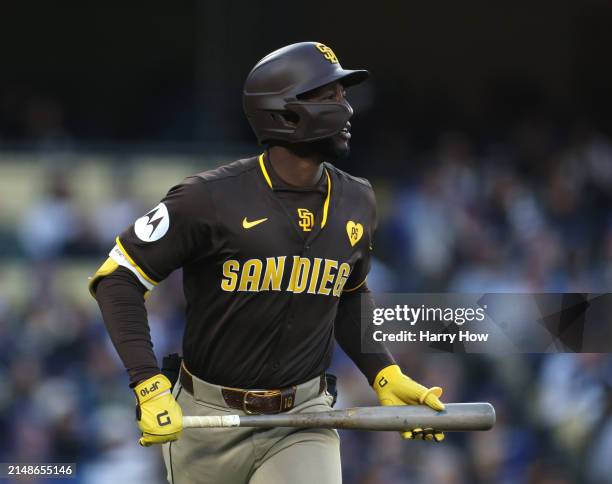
[354, 232]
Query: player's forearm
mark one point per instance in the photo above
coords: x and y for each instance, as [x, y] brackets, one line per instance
[348, 333]
[121, 300]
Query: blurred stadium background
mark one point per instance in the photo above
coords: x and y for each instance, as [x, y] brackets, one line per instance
[486, 132]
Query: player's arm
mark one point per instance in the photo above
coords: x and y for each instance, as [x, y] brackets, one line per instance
[161, 241]
[349, 333]
[121, 299]
[386, 378]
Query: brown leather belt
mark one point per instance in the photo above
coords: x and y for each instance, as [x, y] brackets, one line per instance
[253, 401]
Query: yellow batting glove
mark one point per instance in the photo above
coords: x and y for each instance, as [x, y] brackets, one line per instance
[159, 416]
[394, 388]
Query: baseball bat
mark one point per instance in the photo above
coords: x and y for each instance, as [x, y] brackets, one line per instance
[456, 417]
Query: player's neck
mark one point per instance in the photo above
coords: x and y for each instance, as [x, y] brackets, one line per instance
[302, 170]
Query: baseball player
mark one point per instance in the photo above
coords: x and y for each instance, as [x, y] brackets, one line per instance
[275, 250]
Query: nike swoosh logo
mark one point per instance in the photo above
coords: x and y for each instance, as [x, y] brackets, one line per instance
[247, 225]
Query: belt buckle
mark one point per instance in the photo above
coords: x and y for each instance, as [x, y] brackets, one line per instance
[263, 393]
[245, 403]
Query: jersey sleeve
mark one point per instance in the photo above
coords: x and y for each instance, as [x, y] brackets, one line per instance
[357, 279]
[169, 236]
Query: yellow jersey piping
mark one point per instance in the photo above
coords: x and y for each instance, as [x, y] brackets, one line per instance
[131, 261]
[326, 204]
[264, 171]
[357, 286]
[327, 198]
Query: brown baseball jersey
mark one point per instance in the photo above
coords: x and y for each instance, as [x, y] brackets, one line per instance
[263, 271]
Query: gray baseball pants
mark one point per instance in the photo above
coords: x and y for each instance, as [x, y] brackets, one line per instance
[252, 455]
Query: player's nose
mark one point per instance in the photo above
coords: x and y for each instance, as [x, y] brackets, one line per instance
[350, 109]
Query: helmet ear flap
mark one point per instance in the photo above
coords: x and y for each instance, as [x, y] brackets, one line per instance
[291, 118]
[318, 120]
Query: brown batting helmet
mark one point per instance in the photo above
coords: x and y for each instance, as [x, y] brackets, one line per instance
[273, 87]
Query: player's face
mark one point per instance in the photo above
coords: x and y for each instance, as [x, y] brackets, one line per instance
[337, 146]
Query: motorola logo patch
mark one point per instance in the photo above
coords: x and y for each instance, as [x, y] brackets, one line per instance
[154, 225]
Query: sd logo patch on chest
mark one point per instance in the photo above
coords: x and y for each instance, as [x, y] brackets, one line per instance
[354, 232]
[306, 219]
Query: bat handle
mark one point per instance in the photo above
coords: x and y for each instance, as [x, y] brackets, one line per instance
[213, 421]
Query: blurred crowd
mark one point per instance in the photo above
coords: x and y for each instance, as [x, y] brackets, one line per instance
[530, 213]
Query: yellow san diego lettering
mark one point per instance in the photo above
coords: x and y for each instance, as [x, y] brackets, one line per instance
[273, 275]
[327, 276]
[230, 269]
[314, 276]
[251, 275]
[299, 274]
[341, 278]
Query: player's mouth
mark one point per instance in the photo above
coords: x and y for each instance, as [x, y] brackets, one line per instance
[345, 133]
